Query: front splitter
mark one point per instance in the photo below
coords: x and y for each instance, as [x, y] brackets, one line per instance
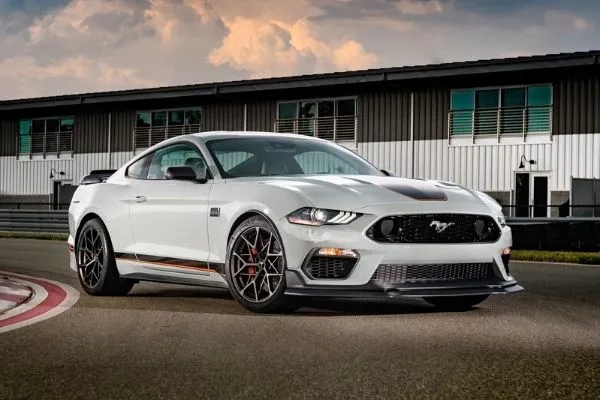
[297, 287]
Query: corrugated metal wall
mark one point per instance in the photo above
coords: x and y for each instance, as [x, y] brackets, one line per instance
[90, 132]
[384, 116]
[122, 124]
[9, 129]
[431, 113]
[32, 177]
[576, 105]
[223, 117]
[261, 115]
[490, 168]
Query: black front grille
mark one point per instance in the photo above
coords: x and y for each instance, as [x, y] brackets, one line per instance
[432, 273]
[435, 228]
[319, 267]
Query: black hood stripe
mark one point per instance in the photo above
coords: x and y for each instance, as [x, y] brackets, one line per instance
[428, 194]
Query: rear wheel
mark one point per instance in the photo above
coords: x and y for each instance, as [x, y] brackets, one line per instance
[255, 267]
[456, 303]
[96, 265]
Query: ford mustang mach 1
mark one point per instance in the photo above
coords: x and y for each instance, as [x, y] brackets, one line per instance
[274, 217]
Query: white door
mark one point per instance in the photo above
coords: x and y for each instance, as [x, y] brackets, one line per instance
[169, 217]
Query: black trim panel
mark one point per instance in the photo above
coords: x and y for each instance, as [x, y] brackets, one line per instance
[296, 287]
[173, 262]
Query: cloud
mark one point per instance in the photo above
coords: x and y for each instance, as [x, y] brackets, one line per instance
[275, 48]
[352, 55]
[95, 75]
[420, 7]
[85, 45]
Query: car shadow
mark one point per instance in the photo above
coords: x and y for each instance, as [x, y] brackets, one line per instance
[220, 301]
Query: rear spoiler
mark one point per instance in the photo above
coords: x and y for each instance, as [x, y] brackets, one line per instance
[97, 176]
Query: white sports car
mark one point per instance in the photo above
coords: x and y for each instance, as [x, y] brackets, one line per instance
[274, 217]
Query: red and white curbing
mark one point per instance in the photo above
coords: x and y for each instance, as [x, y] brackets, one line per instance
[12, 294]
[46, 299]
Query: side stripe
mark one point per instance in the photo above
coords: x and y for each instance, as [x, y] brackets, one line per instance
[173, 262]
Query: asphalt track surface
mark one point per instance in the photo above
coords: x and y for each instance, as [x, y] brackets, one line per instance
[176, 342]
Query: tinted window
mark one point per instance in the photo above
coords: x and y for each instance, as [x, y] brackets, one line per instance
[264, 156]
[178, 155]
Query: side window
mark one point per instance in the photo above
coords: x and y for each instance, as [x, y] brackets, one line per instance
[136, 170]
[318, 162]
[178, 155]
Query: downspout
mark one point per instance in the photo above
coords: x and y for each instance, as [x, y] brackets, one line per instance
[109, 135]
[245, 116]
[412, 133]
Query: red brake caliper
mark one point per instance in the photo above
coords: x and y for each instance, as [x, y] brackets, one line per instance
[252, 269]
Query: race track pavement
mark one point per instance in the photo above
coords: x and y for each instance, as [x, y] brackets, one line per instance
[174, 342]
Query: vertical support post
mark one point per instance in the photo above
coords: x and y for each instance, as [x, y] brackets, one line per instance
[245, 117]
[412, 133]
[498, 115]
[109, 139]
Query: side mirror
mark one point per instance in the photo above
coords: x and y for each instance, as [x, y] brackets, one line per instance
[386, 172]
[184, 174]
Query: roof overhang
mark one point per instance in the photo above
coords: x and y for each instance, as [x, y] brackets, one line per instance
[518, 64]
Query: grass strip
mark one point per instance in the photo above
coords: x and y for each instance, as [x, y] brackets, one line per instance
[34, 235]
[556, 256]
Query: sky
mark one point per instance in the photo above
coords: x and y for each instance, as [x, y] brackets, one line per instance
[54, 47]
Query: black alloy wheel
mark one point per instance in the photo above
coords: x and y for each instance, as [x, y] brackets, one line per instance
[96, 265]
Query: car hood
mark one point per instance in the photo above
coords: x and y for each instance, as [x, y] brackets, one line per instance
[353, 192]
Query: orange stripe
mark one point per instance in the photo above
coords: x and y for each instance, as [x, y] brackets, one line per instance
[169, 265]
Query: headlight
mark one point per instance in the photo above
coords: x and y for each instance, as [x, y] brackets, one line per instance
[319, 216]
[501, 219]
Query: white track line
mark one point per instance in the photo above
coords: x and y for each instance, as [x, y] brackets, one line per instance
[72, 295]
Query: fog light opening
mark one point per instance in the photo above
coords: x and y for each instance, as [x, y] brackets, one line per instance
[507, 251]
[336, 252]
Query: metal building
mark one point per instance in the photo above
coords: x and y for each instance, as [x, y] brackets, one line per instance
[521, 129]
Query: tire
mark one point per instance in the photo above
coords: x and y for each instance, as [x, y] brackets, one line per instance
[244, 266]
[100, 277]
[456, 303]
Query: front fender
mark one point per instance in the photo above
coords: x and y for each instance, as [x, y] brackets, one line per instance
[233, 200]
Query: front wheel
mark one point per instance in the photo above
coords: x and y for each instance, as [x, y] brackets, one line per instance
[96, 265]
[456, 303]
[255, 267]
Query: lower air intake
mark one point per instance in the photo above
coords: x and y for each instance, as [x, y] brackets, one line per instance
[319, 267]
[433, 273]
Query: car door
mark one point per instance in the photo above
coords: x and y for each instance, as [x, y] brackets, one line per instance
[169, 217]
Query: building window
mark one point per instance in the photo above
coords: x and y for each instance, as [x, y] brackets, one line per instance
[331, 119]
[45, 136]
[152, 127]
[501, 111]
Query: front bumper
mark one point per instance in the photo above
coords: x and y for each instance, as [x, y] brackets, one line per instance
[301, 241]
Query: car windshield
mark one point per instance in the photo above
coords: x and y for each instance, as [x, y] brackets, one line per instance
[269, 156]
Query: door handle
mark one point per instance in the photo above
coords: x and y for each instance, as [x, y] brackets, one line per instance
[140, 199]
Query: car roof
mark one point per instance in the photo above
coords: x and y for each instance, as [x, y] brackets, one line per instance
[211, 135]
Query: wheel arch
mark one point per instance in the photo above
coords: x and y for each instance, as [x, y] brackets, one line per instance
[243, 217]
[87, 217]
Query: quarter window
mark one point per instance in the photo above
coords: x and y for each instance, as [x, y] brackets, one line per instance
[137, 169]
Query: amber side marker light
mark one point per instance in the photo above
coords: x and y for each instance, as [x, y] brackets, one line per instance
[336, 252]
